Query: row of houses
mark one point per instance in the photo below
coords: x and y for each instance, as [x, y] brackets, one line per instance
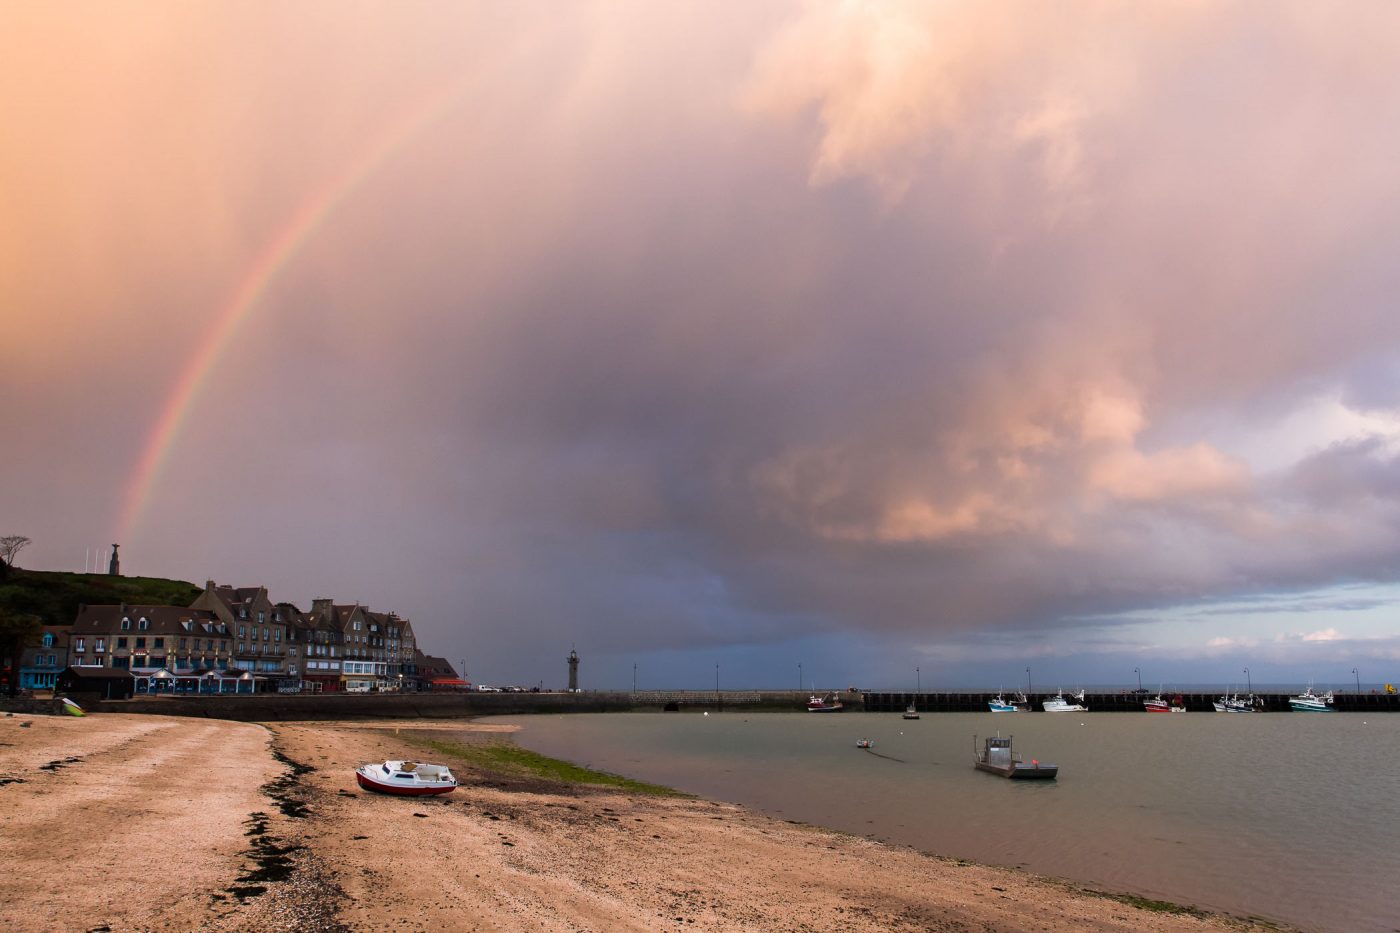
[236, 639]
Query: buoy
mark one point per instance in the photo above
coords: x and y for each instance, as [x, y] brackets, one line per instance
[707, 712]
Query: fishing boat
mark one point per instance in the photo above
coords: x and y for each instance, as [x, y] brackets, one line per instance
[1058, 703]
[999, 705]
[70, 708]
[1158, 705]
[911, 712]
[1309, 702]
[824, 704]
[998, 757]
[405, 778]
[1234, 703]
[864, 743]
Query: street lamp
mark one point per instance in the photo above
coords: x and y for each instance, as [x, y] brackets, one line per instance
[918, 682]
[634, 676]
[1358, 680]
[1249, 684]
[1138, 671]
[1028, 681]
[799, 676]
[717, 703]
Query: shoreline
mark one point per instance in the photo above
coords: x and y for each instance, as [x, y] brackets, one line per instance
[290, 842]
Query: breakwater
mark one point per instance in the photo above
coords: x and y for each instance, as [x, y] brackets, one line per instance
[273, 707]
[1114, 702]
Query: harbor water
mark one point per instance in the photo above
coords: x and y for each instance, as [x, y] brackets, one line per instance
[1289, 817]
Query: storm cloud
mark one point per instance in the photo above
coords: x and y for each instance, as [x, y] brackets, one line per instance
[693, 328]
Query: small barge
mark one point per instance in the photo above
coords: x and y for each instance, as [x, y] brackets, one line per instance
[997, 757]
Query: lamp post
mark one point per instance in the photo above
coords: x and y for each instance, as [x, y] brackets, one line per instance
[799, 676]
[634, 676]
[717, 703]
[1138, 671]
[918, 682]
[1358, 679]
[1028, 683]
[1249, 684]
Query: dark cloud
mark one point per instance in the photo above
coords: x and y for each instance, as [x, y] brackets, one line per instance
[828, 327]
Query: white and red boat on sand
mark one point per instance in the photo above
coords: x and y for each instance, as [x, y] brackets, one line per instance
[405, 778]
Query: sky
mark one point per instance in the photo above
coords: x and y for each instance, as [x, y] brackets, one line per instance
[794, 345]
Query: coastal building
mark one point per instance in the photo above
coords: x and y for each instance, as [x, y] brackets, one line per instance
[40, 665]
[234, 631]
[437, 674]
[259, 626]
[124, 636]
[316, 648]
[573, 671]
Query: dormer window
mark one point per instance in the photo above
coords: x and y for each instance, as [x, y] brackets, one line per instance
[143, 624]
[243, 612]
[185, 624]
[126, 625]
[262, 617]
[47, 640]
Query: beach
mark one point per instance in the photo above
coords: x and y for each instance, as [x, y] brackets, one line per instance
[122, 822]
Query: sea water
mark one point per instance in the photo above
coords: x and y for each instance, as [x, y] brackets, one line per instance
[1292, 817]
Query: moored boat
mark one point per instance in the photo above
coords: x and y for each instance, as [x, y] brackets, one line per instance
[1158, 705]
[864, 743]
[1309, 702]
[405, 778]
[1058, 704]
[1000, 705]
[1234, 703]
[70, 708]
[998, 757]
[911, 712]
[824, 704]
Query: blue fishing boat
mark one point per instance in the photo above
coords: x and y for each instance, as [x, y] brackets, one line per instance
[1309, 702]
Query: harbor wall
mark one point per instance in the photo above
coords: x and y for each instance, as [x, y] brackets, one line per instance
[1114, 702]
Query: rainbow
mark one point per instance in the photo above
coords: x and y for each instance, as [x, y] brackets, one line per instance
[276, 255]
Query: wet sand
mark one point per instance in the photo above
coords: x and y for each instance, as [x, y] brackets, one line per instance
[150, 823]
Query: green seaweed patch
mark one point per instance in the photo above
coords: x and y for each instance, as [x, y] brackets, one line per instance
[507, 759]
[1154, 906]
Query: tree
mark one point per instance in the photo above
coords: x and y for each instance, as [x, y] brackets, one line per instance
[17, 632]
[10, 545]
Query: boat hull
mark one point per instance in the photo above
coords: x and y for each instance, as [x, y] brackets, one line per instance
[1020, 770]
[401, 790]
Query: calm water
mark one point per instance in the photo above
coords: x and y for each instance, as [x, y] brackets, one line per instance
[1291, 817]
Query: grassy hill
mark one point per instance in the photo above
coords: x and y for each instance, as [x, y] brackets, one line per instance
[55, 597]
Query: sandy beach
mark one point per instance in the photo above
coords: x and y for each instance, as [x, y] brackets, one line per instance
[117, 822]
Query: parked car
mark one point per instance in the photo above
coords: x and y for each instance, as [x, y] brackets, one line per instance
[487, 688]
[514, 689]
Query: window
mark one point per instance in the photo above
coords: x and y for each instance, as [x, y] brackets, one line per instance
[99, 645]
[140, 643]
[77, 644]
[266, 637]
[48, 640]
[143, 624]
[243, 612]
[121, 641]
[208, 644]
[182, 644]
[262, 617]
[277, 634]
[158, 643]
[126, 625]
[240, 647]
[242, 631]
